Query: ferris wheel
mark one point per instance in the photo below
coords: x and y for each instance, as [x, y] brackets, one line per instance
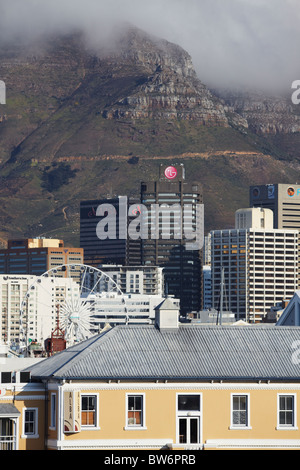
[69, 295]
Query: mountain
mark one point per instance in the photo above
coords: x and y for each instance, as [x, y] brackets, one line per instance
[273, 116]
[85, 121]
[141, 96]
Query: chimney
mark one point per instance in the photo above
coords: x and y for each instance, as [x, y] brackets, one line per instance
[167, 315]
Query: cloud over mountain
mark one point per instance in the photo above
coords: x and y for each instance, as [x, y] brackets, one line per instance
[252, 42]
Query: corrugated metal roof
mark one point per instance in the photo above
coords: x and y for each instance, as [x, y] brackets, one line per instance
[190, 353]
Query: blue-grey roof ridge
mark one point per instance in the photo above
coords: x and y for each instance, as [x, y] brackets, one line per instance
[198, 352]
[79, 348]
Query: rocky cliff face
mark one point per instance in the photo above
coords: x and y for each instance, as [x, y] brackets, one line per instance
[171, 90]
[265, 115]
[65, 99]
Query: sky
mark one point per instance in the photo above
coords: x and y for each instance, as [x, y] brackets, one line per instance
[253, 43]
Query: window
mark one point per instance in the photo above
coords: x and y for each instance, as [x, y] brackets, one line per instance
[30, 420]
[240, 411]
[53, 411]
[88, 410]
[286, 411]
[135, 412]
[189, 402]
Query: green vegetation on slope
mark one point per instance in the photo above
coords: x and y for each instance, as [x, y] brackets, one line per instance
[31, 210]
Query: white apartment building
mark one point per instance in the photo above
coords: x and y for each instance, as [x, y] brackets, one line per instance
[146, 280]
[29, 306]
[260, 264]
[114, 309]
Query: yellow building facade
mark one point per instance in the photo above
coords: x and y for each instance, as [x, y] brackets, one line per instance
[170, 416]
[164, 387]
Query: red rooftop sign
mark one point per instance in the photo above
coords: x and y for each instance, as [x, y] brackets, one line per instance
[170, 172]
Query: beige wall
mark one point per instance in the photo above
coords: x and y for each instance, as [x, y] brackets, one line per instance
[161, 414]
[215, 414]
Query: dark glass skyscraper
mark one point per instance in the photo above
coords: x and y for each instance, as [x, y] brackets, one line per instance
[118, 249]
[182, 266]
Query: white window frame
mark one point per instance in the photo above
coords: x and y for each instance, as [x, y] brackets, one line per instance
[53, 411]
[240, 426]
[96, 426]
[186, 413]
[282, 427]
[136, 427]
[34, 435]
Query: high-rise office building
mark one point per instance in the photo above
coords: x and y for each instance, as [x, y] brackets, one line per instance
[282, 199]
[207, 300]
[115, 247]
[164, 243]
[38, 255]
[259, 264]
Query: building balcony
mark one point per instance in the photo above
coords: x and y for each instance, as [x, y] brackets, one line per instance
[8, 443]
[9, 415]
